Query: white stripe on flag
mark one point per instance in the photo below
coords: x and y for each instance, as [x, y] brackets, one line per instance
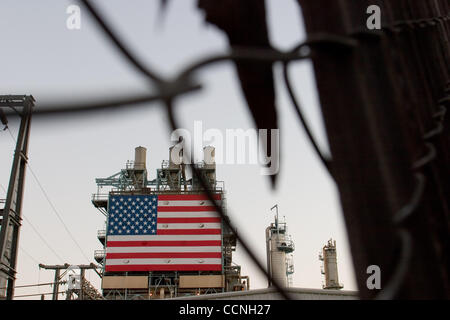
[182, 214]
[170, 261]
[170, 226]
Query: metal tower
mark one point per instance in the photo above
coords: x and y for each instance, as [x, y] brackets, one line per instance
[279, 246]
[12, 211]
[330, 269]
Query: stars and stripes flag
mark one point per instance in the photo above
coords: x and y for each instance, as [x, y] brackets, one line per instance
[176, 232]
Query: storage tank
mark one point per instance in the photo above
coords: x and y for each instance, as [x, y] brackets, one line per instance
[209, 156]
[175, 155]
[140, 158]
[209, 160]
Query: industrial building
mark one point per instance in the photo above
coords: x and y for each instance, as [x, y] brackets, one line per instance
[167, 259]
[163, 237]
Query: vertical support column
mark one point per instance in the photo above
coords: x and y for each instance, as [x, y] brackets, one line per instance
[56, 284]
[11, 220]
[83, 272]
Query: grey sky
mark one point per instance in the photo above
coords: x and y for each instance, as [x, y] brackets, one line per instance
[40, 56]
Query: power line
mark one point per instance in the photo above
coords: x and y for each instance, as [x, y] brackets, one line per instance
[36, 294]
[22, 249]
[29, 255]
[43, 240]
[52, 206]
[57, 214]
[3, 188]
[37, 285]
[39, 235]
[12, 136]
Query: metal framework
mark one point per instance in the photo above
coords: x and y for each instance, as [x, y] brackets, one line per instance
[12, 211]
[169, 180]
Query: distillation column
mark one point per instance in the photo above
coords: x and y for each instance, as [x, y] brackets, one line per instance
[279, 248]
[330, 269]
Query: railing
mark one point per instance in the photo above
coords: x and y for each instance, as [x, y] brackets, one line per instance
[132, 165]
[151, 187]
[232, 270]
[129, 165]
[129, 294]
[286, 245]
[99, 197]
[165, 164]
[101, 233]
[99, 254]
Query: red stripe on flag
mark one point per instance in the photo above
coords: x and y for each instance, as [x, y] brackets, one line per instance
[149, 255]
[185, 208]
[186, 197]
[187, 243]
[164, 267]
[188, 231]
[189, 220]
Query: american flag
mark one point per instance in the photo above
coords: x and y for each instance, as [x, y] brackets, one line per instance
[177, 232]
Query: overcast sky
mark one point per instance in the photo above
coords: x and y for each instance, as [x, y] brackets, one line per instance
[40, 56]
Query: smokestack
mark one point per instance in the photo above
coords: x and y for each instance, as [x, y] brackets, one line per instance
[140, 158]
[209, 156]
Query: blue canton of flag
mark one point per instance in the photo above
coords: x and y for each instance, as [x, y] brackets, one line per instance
[132, 215]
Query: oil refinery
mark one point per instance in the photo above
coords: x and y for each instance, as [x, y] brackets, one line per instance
[163, 237]
[327, 121]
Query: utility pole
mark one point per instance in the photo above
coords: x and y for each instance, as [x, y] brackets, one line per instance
[85, 291]
[57, 269]
[12, 211]
[56, 284]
